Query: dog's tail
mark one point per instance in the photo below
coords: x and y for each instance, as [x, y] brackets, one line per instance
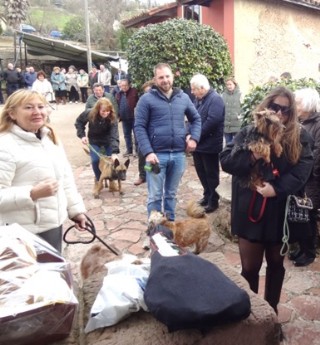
[194, 210]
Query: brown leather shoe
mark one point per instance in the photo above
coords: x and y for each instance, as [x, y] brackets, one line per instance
[139, 181]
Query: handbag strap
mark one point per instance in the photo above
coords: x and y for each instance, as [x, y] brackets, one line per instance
[286, 232]
[263, 207]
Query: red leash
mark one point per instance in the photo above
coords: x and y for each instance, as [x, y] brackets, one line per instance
[263, 207]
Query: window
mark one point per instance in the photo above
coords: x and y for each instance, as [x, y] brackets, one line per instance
[192, 12]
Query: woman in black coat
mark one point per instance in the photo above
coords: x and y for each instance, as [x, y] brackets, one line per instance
[259, 227]
[103, 134]
[308, 107]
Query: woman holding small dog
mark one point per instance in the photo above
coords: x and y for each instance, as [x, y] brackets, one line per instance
[257, 214]
[37, 188]
[103, 134]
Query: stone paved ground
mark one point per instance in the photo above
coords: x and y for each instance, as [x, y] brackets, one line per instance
[122, 221]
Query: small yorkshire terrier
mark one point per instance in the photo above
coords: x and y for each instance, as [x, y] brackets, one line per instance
[266, 139]
[194, 231]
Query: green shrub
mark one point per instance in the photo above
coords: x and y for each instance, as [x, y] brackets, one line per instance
[184, 44]
[256, 95]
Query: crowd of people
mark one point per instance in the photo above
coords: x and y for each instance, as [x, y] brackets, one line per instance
[60, 85]
[162, 125]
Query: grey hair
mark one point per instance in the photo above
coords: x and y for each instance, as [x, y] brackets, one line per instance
[200, 81]
[310, 99]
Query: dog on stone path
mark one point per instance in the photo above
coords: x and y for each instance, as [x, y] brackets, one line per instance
[95, 259]
[112, 171]
[193, 231]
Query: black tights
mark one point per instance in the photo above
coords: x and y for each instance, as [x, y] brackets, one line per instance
[251, 254]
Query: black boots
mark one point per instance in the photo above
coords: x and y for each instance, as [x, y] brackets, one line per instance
[303, 260]
[273, 287]
[252, 279]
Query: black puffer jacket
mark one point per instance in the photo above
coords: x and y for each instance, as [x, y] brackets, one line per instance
[312, 126]
[211, 110]
[288, 179]
[101, 132]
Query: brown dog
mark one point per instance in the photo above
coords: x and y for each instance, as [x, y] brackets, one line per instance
[95, 259]
[270, 128]
[192, 231]
[112, 171]
[266, 139]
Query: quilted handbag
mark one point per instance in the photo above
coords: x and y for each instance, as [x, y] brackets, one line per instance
[298, 209]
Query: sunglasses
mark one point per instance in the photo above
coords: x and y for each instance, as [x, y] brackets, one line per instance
[276, 107]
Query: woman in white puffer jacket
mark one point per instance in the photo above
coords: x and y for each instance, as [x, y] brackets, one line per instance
[37, 188]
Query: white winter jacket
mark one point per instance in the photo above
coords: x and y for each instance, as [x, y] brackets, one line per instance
[25, 161]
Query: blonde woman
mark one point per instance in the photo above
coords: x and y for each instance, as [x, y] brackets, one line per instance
[37, 188]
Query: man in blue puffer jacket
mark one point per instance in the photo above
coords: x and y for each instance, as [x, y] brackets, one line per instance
[162, 137]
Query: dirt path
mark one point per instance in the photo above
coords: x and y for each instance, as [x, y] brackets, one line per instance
[62, 120]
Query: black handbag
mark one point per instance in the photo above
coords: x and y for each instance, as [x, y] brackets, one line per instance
[298, 209]
[296, 220]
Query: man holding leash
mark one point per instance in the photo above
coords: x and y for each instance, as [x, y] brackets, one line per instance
[163, 139]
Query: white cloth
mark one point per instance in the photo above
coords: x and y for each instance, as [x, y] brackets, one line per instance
[24, 162]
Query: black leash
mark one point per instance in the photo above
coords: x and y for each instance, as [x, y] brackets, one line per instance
[90, 228]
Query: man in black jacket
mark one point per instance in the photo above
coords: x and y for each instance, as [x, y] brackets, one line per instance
[206, 156]
[127, 99]
[12, 78]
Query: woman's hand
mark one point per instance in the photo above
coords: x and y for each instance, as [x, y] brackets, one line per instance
[44, 189]
[84, 140]
[266, 190]
[80, 221]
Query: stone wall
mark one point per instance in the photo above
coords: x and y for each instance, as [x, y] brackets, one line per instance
[272, 37]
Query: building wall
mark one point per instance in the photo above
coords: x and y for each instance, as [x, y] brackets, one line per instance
[271, 37]
[220, 15]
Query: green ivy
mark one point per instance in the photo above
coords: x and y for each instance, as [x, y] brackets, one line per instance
[256, 95]
[185, 45]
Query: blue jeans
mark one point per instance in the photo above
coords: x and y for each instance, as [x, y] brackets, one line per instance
[95, 158]
[127, 127]
[163, 187]
[106, 88]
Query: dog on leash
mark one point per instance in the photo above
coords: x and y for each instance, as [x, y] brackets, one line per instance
[94, 261]
[266, 138]
[193, 231]
[112, 171]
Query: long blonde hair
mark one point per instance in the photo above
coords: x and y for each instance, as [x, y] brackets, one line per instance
[291, 138]
[95, 111]
[16, 99]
